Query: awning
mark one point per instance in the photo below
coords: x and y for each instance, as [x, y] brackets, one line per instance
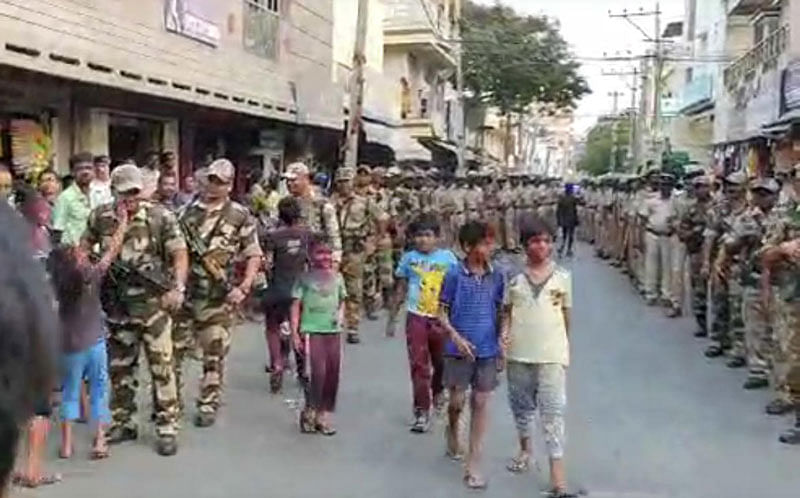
[438, 145]
[405, 148]
[784, 121]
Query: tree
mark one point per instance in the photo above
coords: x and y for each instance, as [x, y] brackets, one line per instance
[599, 155]
[511, 61]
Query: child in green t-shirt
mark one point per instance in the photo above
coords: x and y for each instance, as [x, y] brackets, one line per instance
[316, 317]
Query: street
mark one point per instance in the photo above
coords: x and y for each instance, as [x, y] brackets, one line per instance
[648, 417]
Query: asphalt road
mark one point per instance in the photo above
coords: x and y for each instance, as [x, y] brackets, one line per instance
[649, 417]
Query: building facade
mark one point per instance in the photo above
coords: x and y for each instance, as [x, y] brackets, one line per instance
[250, 79]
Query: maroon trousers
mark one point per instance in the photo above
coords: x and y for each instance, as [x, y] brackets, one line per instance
[323, 355]
[425, 339]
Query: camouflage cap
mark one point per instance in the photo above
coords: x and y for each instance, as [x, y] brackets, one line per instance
[379, 171]
[363, 168]
[692, 171]
[394, 171]
[222, 169]
[345, 174]
[767, 184]
[295, 170]
[736, 178]
[700, 180]
[126, 178]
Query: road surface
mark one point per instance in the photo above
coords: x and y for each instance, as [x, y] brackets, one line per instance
[649, 417]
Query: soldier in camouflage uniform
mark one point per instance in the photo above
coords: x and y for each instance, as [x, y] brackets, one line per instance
[358, 221]
[363, 187]
[382, 200]
[733, 203]
[459, 218]
[784, 259]
[780, 294]
[397, 213]
[746, 241]
[146, 239]
[691, 227]
[219, 231]
[318, 213]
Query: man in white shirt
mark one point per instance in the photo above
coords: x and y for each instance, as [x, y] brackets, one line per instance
[100, 188]
[656, 213]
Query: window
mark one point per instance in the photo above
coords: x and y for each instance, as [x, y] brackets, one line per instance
[261, 27]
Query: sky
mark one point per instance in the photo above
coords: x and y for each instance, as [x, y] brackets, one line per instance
[586, 26]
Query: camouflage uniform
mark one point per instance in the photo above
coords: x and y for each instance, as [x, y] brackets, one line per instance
[691, 226]
[138, 318]
[358, 221]
[229, 232]
[370, 280]
[385, 262]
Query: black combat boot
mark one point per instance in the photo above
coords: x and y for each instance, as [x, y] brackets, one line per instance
[792, 436]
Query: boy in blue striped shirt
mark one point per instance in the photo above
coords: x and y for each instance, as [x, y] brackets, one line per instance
[472, 299]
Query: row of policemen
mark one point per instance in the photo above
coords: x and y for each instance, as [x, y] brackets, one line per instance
[739, 239]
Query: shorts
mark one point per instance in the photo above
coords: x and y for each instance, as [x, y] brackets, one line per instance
[277, 311]
[462, 373]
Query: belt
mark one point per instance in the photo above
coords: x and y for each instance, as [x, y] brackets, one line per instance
[656, 232]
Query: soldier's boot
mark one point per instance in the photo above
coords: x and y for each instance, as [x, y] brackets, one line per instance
[792, 436]
[701, 332]
[205, 419]
[167, 445]
[353, 337]
[736, 362]
[755, 383]
[120, 434]
[713, 351]
[778, 406]
[674, 311]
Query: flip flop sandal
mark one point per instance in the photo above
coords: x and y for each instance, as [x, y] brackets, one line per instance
[306, 425]
[561, 494]
[519, 465]
[325, 430]
[44, 480]
[472, 481]
[97, 454]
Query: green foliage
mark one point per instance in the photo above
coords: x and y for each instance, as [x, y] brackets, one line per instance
[512, 61]
[600, 145]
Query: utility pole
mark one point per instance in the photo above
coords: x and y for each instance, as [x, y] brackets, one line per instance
[462, 132]
[634, 88]
[615, 142]
[357, 86]
[658, 56]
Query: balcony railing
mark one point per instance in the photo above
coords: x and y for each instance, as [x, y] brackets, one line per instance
[760, 58]
[261, 27]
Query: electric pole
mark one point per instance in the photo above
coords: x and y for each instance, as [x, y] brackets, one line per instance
[615, 142]
[462, 129]
[357, 86]
[634, 88]
[658, 65]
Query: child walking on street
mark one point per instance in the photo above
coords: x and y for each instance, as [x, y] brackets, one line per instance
[420, 275]
[539, 301]
[84, 348]
[471, 314]
[316, 318]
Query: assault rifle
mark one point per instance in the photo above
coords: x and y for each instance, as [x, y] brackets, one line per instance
[199, 249]
[120, 271]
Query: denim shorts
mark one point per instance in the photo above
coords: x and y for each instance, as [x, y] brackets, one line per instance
[462, 373]
[90, 364]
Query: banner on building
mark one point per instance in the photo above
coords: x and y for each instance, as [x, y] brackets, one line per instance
[791, 87]
[184, 17]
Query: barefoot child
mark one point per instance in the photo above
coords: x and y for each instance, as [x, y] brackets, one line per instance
[539, 301]
[84, 348]
[316, 317]
[420, 274]
[471, 308]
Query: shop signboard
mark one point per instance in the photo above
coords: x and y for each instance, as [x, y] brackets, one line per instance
[184, 17]
[791, 87]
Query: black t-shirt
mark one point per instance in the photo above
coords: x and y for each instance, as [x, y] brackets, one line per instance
[288, 247]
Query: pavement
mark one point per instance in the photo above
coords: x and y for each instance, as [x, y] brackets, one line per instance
[648, 417]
